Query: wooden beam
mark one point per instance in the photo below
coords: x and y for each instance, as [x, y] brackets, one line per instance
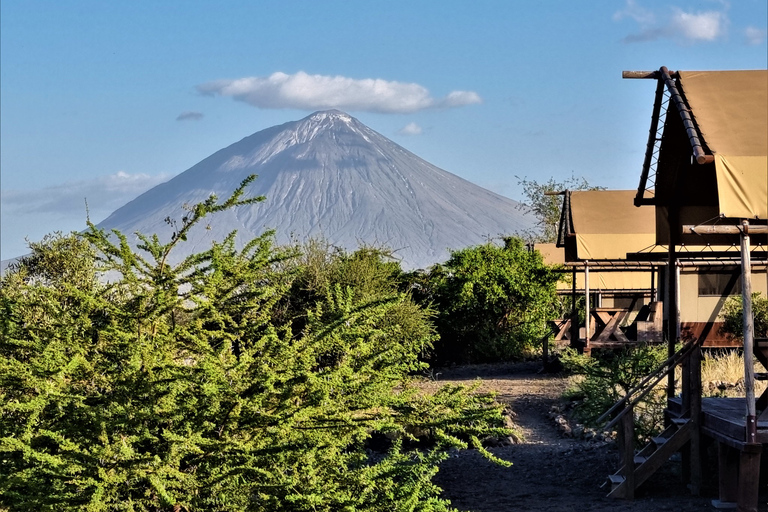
[725, 229]
[690, 128]
[644, 74]
[639, 74]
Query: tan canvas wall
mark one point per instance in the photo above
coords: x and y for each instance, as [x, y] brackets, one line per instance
[598, 281]
[731, 110]
[694, 308]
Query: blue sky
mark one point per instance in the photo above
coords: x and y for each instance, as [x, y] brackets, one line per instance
[102, 100]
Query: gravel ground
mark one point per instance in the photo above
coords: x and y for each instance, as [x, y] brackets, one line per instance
[550, 472]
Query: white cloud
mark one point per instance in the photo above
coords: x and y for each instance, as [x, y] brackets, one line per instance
[410, 129]
[104, 194]
[676, 24]
[704, 26]
[755, 36]
[314, 92]
[189, 116]
[639, 14]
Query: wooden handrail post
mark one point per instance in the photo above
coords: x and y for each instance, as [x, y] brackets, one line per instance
[627, 447]
[695, 391]
[686, 385]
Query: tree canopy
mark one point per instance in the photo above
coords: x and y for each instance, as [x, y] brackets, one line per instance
[540, 201]
[190, 386]
[492, 301]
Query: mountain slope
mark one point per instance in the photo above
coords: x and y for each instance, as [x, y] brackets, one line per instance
[330, 175]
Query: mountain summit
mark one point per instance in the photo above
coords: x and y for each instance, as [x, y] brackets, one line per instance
[328, 175]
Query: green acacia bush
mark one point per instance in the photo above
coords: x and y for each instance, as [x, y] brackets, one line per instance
[608, 376]
[733, 319]
[492, 302]
[180, 387]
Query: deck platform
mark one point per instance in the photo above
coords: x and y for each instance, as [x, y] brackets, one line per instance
[724, 419]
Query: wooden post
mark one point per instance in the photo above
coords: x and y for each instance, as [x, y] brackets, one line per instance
[728, 476]
[575, 343]
[695, 390]
[677, 302]
[627, 446]
[749, 477]
[671, 313]
[586, 305]
[749, 334]
[685, 383]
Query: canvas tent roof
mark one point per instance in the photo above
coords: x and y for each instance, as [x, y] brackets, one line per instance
[721, 119]
[731, 111]
[605, 225]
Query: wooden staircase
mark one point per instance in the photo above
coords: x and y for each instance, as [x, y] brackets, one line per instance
[636, 467]
[648, 460]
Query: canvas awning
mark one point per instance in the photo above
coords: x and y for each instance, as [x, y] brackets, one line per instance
[730, 109]
[606, 225]
[606, 275]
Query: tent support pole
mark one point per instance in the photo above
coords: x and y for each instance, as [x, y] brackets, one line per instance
[749, 334]
[586, 306]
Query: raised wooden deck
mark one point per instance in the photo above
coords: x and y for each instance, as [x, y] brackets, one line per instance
[724, 419]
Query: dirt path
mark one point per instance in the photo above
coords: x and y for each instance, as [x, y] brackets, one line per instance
[551, 472]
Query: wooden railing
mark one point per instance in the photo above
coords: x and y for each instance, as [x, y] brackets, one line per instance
[645, 386]
[622, 414]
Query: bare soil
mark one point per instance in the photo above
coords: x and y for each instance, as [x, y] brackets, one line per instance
[550, 472]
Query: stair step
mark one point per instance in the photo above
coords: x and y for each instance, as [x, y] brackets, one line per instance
[658, 441]
[615, 480]
[680, 421]
[639, 459]
[761, 376]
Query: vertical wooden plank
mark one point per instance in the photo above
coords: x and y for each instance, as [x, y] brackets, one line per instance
[686, 413]
[749, 480]
[628, 449]
[728, 474]
[695, 443]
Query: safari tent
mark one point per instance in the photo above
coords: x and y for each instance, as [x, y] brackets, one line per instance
[705, 174]
[598, 230]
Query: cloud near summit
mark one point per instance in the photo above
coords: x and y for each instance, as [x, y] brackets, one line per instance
[318, 92]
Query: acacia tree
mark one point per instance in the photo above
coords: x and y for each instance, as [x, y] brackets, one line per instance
[493, 302]
[174, 388]
[545, 207]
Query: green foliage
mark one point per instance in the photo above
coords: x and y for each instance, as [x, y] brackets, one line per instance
[492, 301]
[608, 377]
[546, 208]
[733, 315]
[175, 387]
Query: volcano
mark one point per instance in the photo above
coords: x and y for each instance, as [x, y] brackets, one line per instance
[329, 176]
